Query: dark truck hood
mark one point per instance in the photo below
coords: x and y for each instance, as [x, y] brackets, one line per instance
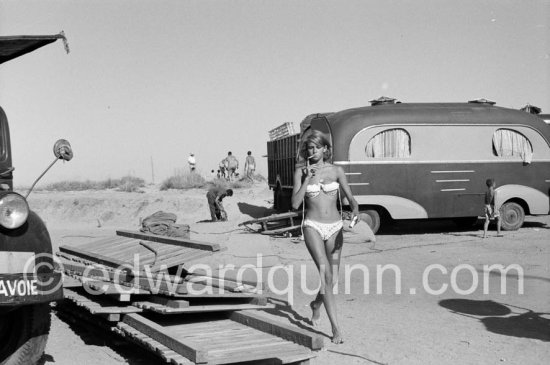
[14, 46]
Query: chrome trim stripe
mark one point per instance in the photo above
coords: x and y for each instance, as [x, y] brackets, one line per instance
[546, 180]
[460, 180]
[389, 162]
[462, 189]
[358, 184]
[353, 173]
[450, 172]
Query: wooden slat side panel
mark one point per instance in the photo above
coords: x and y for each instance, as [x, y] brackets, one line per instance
[266, 324]
[148, 343]
[184, 347]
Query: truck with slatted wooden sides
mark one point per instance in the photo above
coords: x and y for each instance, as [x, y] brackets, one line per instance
[407, 161]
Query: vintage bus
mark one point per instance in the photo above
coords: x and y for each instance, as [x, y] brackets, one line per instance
[431, 160]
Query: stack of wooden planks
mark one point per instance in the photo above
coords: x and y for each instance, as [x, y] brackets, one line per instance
[141, 287]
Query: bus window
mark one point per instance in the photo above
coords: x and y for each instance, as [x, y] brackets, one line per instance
[509, 143]
[389, 143]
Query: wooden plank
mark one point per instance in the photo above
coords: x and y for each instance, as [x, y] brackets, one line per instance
[226, 294]
[95, 257]
[271, 232]
[70, 282]
[229, 275]
[177, 260]
[171, 240]
[148, 343]
[141, 281]
[273, 217]
[264, 352]
[158, 308]
[97, 244]
[169, 302]
[184, 347]
[266, 324]
[103, 287]
[98, 304]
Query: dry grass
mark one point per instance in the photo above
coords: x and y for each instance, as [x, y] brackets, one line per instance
[183, 181]
[126, 183]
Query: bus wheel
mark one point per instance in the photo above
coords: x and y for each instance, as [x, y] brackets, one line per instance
[23, 334]
[372, 218]
[512, 216]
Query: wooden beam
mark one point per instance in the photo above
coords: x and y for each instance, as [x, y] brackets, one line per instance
[287, 332]
[187, 348]
[170, 240]
[95, 257]
[169, 302]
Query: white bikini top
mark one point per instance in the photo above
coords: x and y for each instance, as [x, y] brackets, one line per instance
[313, 190]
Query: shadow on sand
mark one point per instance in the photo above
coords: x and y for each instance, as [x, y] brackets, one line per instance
[499, 318]
[96, 335]
[423, 226]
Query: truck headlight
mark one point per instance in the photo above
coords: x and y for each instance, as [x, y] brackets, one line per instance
[14, 210]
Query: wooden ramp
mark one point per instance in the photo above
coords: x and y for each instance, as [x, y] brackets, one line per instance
[226, 339]
[275, 224]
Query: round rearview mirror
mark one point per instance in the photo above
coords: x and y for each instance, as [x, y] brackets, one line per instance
[62, 150]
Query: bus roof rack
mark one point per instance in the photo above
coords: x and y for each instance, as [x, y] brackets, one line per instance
[482, 101]
[531, 109]
[382, 100]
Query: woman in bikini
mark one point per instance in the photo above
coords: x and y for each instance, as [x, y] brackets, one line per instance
[318, 188]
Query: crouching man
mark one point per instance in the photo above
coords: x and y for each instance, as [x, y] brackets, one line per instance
[215, 196]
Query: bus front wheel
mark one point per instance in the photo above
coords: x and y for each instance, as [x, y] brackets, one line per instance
[372, 218]
[512, 216]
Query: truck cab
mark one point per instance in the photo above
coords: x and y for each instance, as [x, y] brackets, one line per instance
[28, 281]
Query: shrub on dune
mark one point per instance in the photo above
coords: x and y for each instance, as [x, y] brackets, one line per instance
[183, 181]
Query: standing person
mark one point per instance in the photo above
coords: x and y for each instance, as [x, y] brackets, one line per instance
[249, 165]
[232, 165]
[491, 212]
[318, 188]
[214, 196]
[223, 168]
[192, 162]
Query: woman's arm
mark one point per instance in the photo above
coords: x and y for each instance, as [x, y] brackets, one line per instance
[347, 191]
[301, 181]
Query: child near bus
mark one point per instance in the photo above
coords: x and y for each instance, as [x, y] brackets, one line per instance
[491, 212]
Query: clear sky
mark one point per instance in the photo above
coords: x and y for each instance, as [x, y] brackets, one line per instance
[155, 80]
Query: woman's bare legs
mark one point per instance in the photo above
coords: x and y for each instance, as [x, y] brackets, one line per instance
[325, 255]
[333, 247]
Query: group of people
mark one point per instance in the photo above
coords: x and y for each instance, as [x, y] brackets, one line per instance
[228, 167]
[227, 170]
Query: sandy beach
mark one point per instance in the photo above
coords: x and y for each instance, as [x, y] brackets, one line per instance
[432, 304]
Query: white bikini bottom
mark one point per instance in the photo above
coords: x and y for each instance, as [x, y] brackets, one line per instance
[325, 230]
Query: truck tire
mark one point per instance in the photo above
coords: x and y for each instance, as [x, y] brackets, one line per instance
[23, 334]
[512, 216]
[372, 218]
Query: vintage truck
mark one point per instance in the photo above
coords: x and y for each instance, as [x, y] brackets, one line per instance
[428, 160]
[28, 281]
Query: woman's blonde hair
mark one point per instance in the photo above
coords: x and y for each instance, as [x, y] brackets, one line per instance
[319, 139]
